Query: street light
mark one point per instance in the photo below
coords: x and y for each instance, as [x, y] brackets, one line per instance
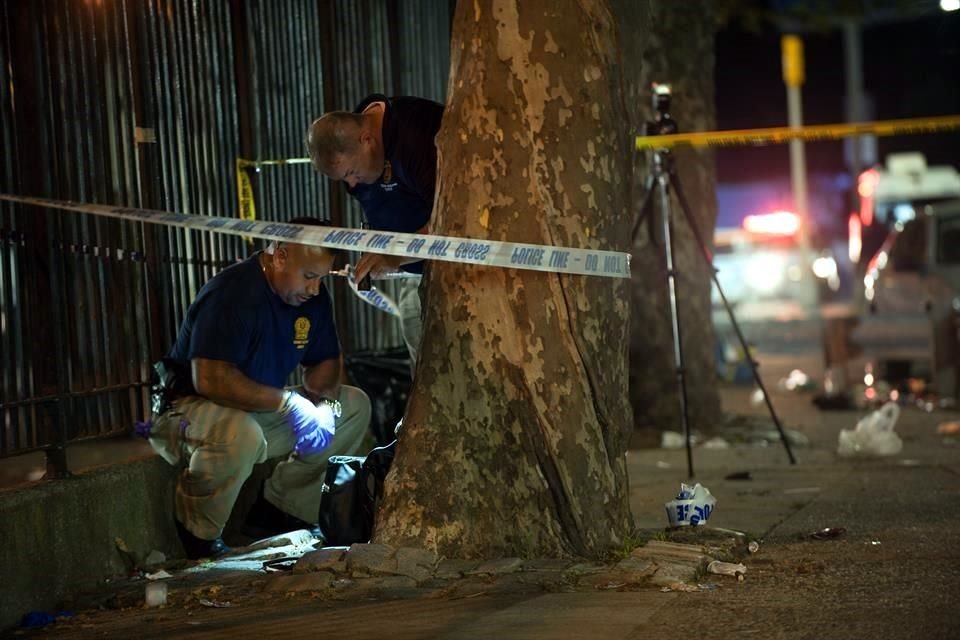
[950, 5]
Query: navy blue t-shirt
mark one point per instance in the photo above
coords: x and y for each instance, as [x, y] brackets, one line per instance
[402, 199]
[238, 318]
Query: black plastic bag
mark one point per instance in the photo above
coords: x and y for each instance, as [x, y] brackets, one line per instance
[352, 491]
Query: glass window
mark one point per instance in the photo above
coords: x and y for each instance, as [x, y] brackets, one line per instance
[948, 240]
[908, 253]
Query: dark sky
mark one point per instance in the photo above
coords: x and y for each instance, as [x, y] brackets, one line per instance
[911, 69]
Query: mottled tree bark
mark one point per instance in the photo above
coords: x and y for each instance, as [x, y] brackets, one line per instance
[514, 439]
[672, 42]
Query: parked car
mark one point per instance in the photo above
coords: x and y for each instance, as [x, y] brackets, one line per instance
[763, 271]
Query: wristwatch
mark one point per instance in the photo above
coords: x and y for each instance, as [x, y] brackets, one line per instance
[334, 405]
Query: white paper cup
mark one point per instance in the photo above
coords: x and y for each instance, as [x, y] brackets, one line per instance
[691, 508]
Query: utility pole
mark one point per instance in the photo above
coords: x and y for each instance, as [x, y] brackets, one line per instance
[859, 151]
[791, 48]
[853, 75]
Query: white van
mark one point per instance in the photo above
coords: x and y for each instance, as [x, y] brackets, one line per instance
[893, 194]
[910, 316]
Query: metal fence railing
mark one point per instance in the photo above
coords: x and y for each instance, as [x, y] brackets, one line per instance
[149, 104]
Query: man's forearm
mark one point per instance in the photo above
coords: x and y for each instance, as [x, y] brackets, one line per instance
[323, 380]
[224, 383]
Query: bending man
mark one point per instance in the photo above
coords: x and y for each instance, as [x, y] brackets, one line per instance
[385, 152]
[249, 328]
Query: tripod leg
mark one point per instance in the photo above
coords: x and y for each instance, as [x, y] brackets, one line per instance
[664, 190]
[645, 206]
[733, 320]
[685, 207]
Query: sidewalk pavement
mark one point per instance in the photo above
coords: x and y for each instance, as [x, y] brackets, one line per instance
[890, 573]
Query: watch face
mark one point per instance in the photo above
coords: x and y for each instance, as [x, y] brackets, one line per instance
[334, 405]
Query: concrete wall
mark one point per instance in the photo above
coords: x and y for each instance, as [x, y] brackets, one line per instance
[60, 536]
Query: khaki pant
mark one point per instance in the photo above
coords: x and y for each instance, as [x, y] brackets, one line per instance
[408, 303]
[217, 447]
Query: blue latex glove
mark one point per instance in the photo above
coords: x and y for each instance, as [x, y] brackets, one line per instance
[312, 425]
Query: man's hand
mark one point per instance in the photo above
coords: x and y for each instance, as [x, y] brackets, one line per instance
[377, 265]
[312, 425]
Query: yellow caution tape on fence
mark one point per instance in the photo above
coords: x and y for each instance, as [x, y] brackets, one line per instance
[248, 207]
[776, 135]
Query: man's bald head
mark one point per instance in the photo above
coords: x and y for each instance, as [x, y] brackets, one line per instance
[294, 270]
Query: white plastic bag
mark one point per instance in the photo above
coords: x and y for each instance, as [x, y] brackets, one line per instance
[873, 436]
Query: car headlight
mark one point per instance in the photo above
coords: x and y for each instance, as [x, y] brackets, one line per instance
[824, 267]
[765, 273]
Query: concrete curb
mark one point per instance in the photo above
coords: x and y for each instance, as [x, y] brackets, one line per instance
[58, 537]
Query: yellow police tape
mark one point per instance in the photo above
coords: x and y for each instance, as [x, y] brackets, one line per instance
[248, 206]
[776, 135]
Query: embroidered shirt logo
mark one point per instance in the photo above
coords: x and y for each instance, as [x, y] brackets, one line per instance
[387, 183]
[301, 332]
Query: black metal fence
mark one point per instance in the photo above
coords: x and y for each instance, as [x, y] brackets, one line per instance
[148, 103]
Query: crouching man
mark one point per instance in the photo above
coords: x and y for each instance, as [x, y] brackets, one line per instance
[247, 331]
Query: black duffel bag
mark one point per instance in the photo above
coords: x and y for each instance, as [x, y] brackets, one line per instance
[352, 490]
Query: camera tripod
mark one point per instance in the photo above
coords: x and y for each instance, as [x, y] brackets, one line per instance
[663, 180]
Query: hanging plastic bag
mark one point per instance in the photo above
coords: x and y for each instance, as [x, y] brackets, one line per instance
[874, 435]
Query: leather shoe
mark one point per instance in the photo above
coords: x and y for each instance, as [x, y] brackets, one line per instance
[197, 548]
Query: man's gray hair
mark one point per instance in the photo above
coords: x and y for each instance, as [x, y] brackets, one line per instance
[330, 135]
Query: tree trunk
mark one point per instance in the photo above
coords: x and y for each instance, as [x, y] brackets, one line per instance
[514, 439]
[672, 42]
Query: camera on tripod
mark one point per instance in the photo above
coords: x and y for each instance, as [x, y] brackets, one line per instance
[663, 124]
[661, 185]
